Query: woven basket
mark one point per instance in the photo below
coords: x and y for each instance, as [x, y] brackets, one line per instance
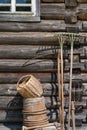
[29, 87]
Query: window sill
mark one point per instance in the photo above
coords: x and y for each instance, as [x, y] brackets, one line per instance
[18, 18]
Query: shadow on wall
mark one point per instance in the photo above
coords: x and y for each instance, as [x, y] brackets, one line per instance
[13, 118]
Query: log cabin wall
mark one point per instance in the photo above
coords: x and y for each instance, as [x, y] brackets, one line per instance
[35, 44]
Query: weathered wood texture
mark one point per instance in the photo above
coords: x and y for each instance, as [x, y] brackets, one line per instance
[11, 78]
[33, 38]
[53, 115]
[38, 65]
[44, 25]
[58, 11]
[55, 11]
[49, 89]
[16, 102]
[38, 52]
[37, 45]
[62, 1]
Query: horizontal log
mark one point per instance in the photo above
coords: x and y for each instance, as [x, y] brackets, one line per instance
[16, 116]
[37, 65]
[11, 116]
[37, 52]
[32, 38]
[16, 102]
[27, 66]
[15, 127]
[61, 1]
[49, 89]
[52, 114]
[12, 78]
[44, 26]
[78, 65]
[52, 1]
[58, 11]
[77, 103]
[10, 126]
[27, 52]
[28, 38]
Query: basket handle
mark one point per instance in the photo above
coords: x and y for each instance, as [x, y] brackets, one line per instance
[25, 76]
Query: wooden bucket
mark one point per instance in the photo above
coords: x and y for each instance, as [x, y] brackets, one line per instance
[34, 112]
[29, 87]
[34, 105]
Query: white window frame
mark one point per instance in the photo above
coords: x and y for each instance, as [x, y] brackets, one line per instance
[33, 15]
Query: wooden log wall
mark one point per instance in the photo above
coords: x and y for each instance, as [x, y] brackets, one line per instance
[31, 48]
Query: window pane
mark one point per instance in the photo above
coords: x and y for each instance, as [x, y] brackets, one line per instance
[23, 9]
[5, 8]
[23, 1]
[5, 1]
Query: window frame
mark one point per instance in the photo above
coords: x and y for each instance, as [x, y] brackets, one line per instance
[34, 15]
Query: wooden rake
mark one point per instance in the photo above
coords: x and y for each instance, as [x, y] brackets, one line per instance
[60, 80]
[71, 103]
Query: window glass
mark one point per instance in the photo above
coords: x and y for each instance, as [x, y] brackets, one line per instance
[5, 8]
[5, 1]
[23, 1]
[25, 9]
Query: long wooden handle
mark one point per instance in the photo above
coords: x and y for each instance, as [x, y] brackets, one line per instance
[59, 86]
[73, 116]
[70, 87]
[62, 90]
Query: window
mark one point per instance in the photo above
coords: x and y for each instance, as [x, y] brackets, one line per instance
[16, 10]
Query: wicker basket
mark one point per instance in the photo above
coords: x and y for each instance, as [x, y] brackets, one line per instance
[29, 87]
